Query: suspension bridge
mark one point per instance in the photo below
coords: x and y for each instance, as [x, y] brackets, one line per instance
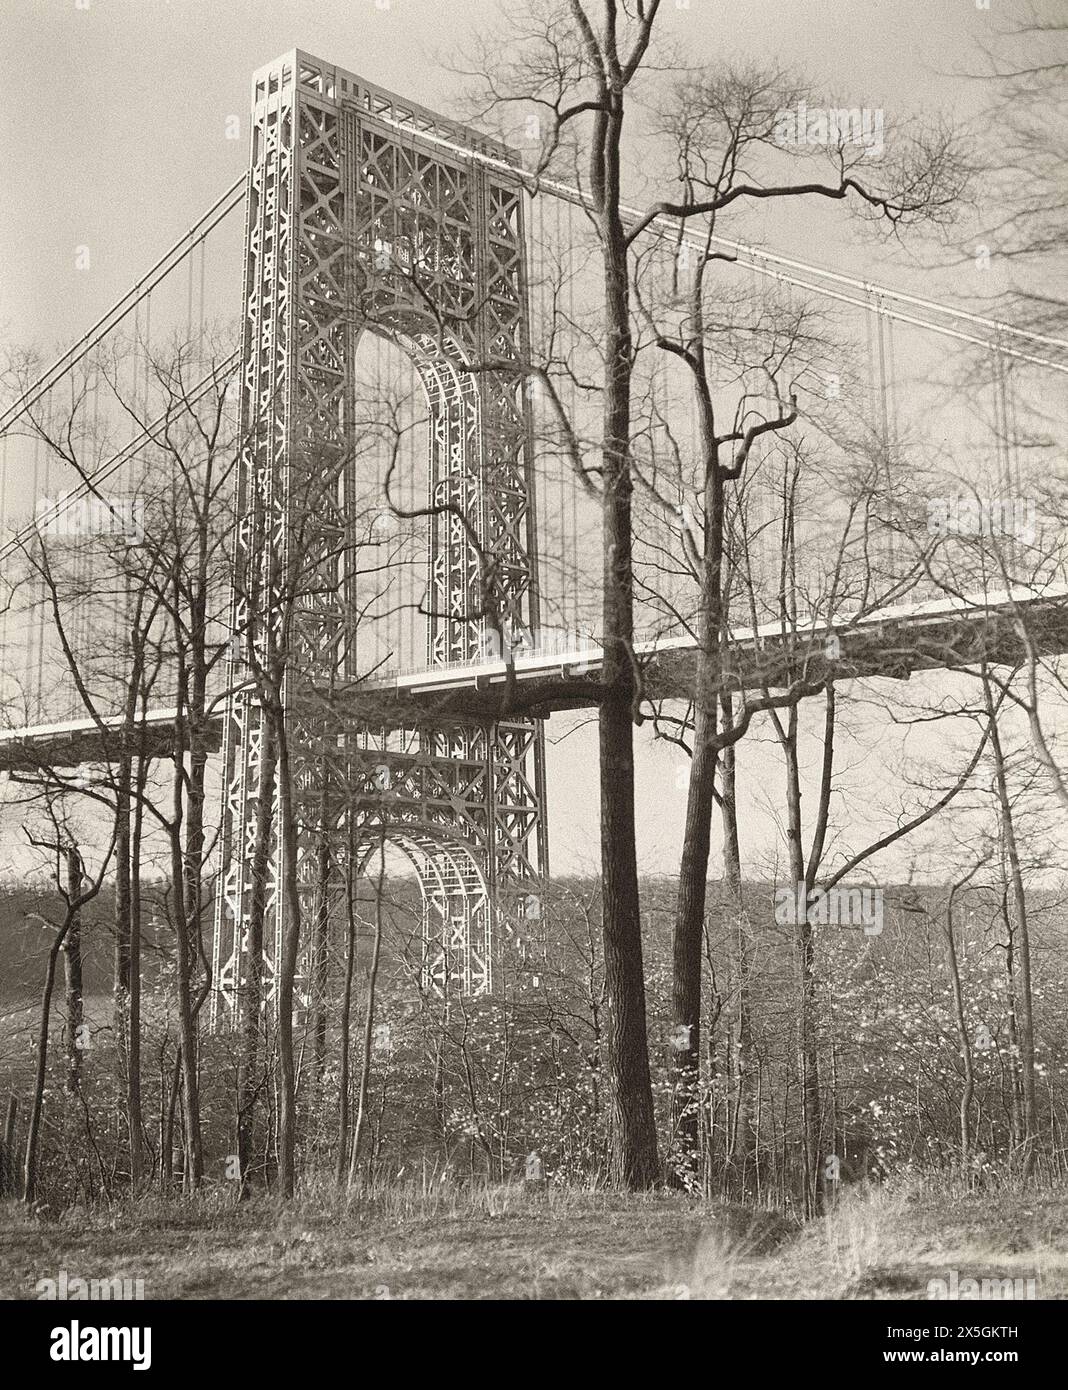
[393, 455]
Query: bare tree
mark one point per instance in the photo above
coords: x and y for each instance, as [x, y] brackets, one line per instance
[75, 889]
[160, 569]
[579, 73]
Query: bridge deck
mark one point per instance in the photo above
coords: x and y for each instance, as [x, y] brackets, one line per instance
[892, 642]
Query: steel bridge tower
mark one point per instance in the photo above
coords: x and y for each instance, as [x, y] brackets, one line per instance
[367, 214]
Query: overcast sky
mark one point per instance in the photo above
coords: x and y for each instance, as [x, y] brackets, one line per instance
[115, 116]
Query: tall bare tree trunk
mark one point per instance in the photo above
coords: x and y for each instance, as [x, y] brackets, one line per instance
[123, 860]
[129, 814]
[742, 1155]
[700, 795]
[345, 1022]
[74, 905]
[805, 952]
[33, 1132]
[1022, 948]
[193, 1167]
[9, 1170]
[169, 1096]
[321, 951]
[134, 1116]
[368, 1022]
[289, 844]
[968, 1090]
[635, 1161]
[72, 969]
[687, 958]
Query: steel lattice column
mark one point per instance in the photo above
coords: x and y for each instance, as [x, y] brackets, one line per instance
[367, 214]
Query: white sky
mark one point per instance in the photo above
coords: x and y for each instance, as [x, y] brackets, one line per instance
[113, 119]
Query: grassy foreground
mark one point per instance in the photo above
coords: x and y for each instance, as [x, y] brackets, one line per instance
[883, 1243]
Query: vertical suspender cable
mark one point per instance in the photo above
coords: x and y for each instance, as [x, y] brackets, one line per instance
[577, 426]
[189, 303]
[33, 587]
[148, 355]
[1003, 436]
[555, 458]
[884, 413]
[891, 435]
[1013, 428]
[201, 356]
[44, 592]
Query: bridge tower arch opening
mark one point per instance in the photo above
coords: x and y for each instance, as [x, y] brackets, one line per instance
[424, 581]
[457, 940]
[367, 215]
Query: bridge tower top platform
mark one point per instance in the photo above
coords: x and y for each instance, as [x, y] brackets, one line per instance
[324, 79]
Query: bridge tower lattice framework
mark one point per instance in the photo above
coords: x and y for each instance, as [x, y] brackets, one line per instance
[366, 213]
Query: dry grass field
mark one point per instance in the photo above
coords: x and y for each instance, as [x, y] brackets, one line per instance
[506, 1242]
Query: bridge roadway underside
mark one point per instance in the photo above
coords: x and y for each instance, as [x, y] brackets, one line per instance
[895, 644]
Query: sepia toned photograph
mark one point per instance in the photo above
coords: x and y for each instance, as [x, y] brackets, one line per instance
[533, 687]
